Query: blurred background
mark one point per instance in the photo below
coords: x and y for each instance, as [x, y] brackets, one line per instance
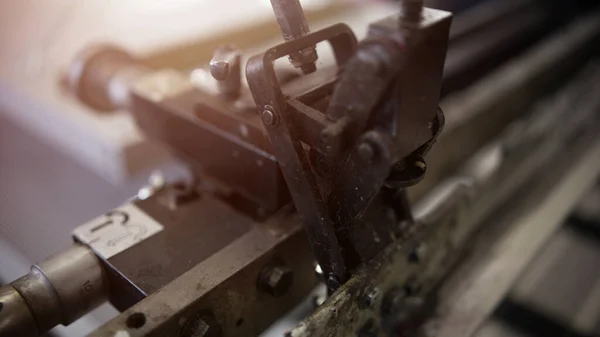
[63, 163]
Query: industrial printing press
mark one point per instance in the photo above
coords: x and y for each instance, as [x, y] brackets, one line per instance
[392, 185]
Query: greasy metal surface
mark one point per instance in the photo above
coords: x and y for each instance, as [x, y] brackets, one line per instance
[192, 233]
[226, 285]
[503, 253]
[556, 134]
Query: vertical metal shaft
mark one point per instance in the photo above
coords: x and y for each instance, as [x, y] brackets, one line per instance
[293, 24]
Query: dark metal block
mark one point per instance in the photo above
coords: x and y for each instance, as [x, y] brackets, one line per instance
[228, 147]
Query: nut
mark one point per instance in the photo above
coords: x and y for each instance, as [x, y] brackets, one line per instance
[203, 325]
[269, 117]
[276, 280]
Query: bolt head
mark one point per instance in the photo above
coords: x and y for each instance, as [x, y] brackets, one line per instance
[202, 326]
[276, 280]
[219, 70]
[269, 117]
[366, 151]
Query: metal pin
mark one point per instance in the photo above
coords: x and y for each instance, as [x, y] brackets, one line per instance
[225, 68]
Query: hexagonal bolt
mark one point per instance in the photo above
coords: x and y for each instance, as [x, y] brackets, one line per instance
[269, 117]
[203, 325]
[276, 280]
[226, 69]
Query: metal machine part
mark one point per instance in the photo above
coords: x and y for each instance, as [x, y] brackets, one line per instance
[57, 291]
[511, 166]
[357, 132]
[268, 265]
[242, 155]
[230, 242]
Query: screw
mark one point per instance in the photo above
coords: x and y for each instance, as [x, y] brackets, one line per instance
[269, 117]
[366, 151]
[203, 325]
[369, 298]
[276, 280]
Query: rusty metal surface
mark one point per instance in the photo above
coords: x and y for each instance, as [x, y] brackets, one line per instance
[558, 133]
[226, 285]
[521, 228]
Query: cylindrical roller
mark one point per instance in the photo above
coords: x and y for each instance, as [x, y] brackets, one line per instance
[101, 76]
[63, 288]
[293, 24]
[15, 317]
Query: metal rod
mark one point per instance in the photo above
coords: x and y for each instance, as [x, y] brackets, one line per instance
[293, 24]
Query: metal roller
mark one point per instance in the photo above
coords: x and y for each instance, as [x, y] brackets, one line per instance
[57, 291]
